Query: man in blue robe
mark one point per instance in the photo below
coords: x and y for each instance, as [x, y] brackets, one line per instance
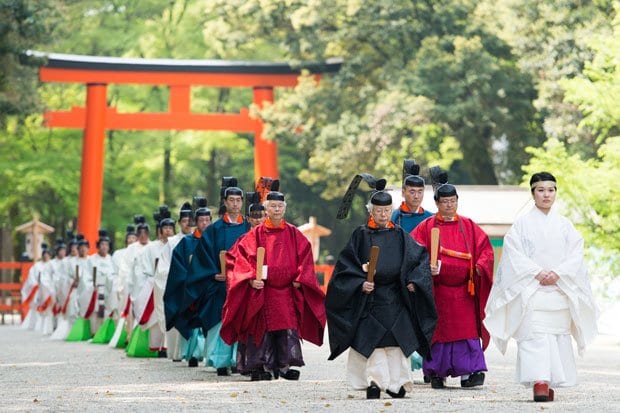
[179, 312]
[410, 213]
[206, 284]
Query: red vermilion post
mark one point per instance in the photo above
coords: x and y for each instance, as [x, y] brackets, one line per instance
[91, 182]
[265, 151]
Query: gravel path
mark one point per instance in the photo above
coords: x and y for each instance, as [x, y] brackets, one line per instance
[37, 374]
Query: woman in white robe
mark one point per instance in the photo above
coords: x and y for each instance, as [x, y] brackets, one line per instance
[541, 295]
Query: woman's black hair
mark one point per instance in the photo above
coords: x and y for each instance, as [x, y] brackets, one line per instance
[541, 176]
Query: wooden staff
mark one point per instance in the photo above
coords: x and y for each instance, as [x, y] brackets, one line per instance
[260, 258]
[77, 275]
[372, 263]
[223, 262]
[95, 277]
[434, 245]
[155, 269]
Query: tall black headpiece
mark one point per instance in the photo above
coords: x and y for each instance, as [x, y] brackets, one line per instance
[411, 174]
[185, 211]
[60, 243]
[140, 222]
[439, 180]
[82, 241]
[130, 230]
[200, 207]
[229, 187]
[438, 177]
[163, 217]
[103, 236]
[71, 239]
[253, 203]
[345, 205]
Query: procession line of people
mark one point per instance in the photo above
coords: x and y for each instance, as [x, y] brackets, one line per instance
[411, 289]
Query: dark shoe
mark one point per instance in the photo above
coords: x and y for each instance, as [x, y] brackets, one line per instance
[162, 354]
[290, 374]
[260, 375]
[193, 362]
[233, 370]
[427, 379]
[223, 371]
[541, 392]
[399, 395]
[474, 379]
[373, 391]
[437, 382]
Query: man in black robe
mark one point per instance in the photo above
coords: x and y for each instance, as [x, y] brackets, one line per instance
[385, 321]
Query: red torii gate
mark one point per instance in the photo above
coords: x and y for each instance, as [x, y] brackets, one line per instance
[179, 76]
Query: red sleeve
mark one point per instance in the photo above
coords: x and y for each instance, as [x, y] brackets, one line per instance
[309, 299]
[243, 303]
[421, 233]
[484, 261]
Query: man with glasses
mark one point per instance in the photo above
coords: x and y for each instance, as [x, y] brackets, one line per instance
[462, 281]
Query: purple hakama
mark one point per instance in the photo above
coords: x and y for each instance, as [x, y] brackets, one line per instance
[456, 358]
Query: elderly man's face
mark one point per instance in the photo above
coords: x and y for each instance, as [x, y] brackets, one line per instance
[275, 210]
[381, 214]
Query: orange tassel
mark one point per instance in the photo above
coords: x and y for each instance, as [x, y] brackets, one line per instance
[471, 288]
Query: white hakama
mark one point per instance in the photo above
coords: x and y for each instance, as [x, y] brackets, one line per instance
[387, 367]
[545, 350]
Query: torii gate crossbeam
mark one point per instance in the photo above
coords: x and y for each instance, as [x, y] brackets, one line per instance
[179, 76]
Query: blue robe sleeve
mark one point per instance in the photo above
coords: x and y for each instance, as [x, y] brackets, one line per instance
[174, 302]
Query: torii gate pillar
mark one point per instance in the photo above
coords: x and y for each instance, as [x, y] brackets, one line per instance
[265, 151]
[91, 181]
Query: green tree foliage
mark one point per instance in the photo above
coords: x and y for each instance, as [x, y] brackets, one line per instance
[23, 23]
[396, 53]
[596, 91]
[552, 40]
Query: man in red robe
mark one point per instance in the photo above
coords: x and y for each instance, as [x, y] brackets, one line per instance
[270, 316]
[461, 284]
